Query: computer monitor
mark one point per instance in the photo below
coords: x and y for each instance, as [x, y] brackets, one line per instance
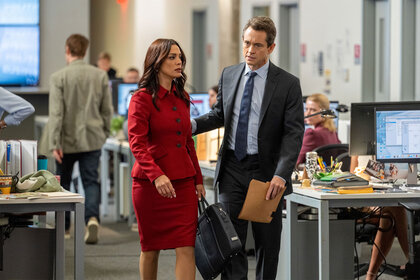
[200, 104]
[362, 125]
[124, 96]
[397, 134]
[333, 106]
[19, 43]
[113, 86]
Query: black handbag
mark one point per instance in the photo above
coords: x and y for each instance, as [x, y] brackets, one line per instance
[216, 241]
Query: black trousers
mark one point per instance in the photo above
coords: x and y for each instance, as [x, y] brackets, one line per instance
[233, 187]
[88, 165]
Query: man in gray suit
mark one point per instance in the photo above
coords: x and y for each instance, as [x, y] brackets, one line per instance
[260, 106]
[80, 112]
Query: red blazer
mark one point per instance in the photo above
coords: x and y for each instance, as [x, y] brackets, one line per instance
[314, 138]
[161, 140]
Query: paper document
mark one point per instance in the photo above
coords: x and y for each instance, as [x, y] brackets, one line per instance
[256, 208]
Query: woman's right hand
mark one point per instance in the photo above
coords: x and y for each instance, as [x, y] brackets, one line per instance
[164, 187]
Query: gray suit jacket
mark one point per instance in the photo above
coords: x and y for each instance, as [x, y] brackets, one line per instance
[281, 126]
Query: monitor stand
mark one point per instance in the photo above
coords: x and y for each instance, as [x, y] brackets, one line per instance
[412, 174]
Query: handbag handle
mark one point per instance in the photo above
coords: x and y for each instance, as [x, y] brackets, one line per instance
[202, 204]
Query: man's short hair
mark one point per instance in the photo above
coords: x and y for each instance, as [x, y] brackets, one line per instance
[262, 24]
[104, 55]
[133, 69]
[77, 45]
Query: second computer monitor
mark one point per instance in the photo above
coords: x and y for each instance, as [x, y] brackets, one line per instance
[200, 104]
[124, 96]
[398, 134]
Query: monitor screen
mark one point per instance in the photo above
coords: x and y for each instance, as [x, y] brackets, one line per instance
[397, 134]
[200, 104]
[124, 96]
[362, 125]
[113, 86]
[19, 42]
[333, 106]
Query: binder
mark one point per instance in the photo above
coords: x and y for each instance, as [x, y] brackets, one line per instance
[29, 156]
[3, 156]
[13, 161]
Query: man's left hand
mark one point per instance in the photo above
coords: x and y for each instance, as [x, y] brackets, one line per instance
[276, 186]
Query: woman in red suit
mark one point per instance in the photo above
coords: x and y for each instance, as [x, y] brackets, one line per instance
[324, 131]
[166, 176]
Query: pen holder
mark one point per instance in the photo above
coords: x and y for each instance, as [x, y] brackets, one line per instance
[311, 163]
[7, 182]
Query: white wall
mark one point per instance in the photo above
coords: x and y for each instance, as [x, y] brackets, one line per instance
[324, 29]
[58, 20]
[246, 14]
[112, 30]
[175, 21]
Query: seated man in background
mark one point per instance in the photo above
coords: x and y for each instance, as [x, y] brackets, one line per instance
[324, 131]
[132, 76]
[17, 108]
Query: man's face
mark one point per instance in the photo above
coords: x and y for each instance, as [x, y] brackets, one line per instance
[255, 49]
[131, 77]
[104, 64]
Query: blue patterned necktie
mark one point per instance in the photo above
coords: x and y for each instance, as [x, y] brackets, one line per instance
[242, 129]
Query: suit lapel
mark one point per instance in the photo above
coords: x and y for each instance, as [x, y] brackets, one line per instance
[231, 89]
[270, 87]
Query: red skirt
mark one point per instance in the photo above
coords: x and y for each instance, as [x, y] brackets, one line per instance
[165, 223]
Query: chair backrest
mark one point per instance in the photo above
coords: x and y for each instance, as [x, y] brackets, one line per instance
[346, 160]
[331, 150]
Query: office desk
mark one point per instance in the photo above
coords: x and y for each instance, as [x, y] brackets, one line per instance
[118, 148]
[73, 202]
[324, 201]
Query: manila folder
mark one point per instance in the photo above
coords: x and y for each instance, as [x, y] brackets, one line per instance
[256, 208]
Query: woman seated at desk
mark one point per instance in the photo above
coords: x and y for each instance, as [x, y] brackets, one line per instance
[391, 222]
[324, 131]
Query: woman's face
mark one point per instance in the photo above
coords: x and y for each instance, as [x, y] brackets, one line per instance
[171, 67]
[312, 108]
[212, 97]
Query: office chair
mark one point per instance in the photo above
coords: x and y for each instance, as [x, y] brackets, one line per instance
[345, 159]
[331, 150]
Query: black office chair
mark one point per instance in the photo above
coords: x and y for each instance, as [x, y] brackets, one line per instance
[346, 160]
[331, 150]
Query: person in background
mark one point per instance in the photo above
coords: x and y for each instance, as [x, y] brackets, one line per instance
[104, 63]
[213, 95]
[261, 109]
[167, 180]
[17, 108]
[80, 111]
[324, 131]
[132, 76]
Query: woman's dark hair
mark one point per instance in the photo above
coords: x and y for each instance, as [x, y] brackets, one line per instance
[215, 88]
[156, 54]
